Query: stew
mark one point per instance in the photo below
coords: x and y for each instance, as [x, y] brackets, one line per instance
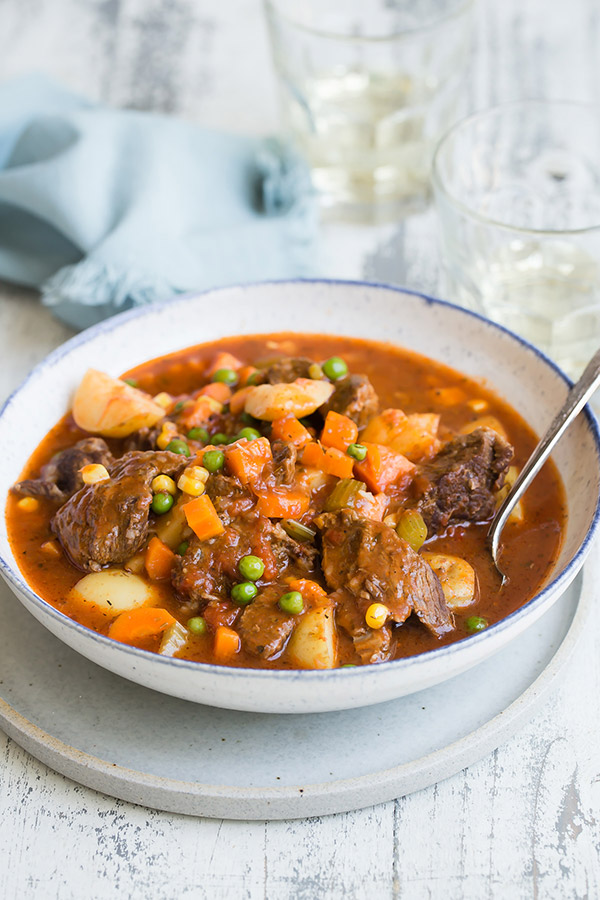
[283, 501]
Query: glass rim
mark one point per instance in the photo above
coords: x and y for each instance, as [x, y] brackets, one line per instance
[460, 7]
[440, 187]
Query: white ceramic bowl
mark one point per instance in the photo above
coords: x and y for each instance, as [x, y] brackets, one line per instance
[475, 346]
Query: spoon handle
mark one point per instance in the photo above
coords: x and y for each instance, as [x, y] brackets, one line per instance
[577, 397]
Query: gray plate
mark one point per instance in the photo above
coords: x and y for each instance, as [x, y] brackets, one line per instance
[145, 747]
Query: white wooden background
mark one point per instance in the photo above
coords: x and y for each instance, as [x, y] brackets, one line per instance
[522, 823]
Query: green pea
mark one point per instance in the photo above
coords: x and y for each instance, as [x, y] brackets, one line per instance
[179, 406]
[249, 433]
[254, 378]
[182, 549]
[243, 593]
[197, 625]
[251, 567]
[335, 368]
[178, 446]
[198, 434]
[357, 451]
[292, 603]
[162, 503]
[227, 376]
[131, 382]
[247, 419]
[213, 460]
[219, 438]
[476, 623]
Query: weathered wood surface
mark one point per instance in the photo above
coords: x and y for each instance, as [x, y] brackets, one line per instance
[522, 823]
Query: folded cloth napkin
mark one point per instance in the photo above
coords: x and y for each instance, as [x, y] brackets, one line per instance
[106, 209]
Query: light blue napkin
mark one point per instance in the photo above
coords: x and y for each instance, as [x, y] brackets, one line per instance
[106, 209]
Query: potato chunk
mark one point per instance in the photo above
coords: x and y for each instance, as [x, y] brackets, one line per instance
[298, 398]
[107, 406]
[113, 591]
[456, 576]
[313, 644]
[414, 436]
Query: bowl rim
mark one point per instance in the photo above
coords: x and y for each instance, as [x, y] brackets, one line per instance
[15, 579]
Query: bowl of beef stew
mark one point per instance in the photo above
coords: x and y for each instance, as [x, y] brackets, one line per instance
[275, 497]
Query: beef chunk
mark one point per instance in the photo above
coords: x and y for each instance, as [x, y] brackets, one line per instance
[106, 523]
[284, 462]
[355, 397]
[288, 369]
[264, 627]
[369, 561]
[60, 478]
[229, 497]
[459, 483]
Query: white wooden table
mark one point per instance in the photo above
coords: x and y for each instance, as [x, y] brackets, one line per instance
[523, 823]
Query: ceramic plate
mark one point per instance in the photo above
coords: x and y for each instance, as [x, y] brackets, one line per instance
[131, 743]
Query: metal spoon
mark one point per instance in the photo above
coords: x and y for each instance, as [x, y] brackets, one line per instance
[577, 397]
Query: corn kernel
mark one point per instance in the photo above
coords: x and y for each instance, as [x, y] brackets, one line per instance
[163, 484]
[163, 399]
[51, 548]
[168, 432]
[192, 480]
[94, 473]
[376, 615]
[478, 405]
[28, 504]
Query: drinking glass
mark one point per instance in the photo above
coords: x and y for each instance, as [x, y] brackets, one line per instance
[367, 88]
[517, 189]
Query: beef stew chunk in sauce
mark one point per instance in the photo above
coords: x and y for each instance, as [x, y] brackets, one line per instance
[319, 506]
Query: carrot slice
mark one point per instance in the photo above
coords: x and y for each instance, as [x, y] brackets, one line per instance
[310, 590]
[247, 459]
[330, 460]
[218, 390]
[227, 643]
[282, 506]
[158, 560]
[202, 518]
[382, 467]
[236, 404]
[338, 431]
[290, 430]
[137, 624]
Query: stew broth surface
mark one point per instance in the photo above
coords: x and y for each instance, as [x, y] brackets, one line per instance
[403, 380]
